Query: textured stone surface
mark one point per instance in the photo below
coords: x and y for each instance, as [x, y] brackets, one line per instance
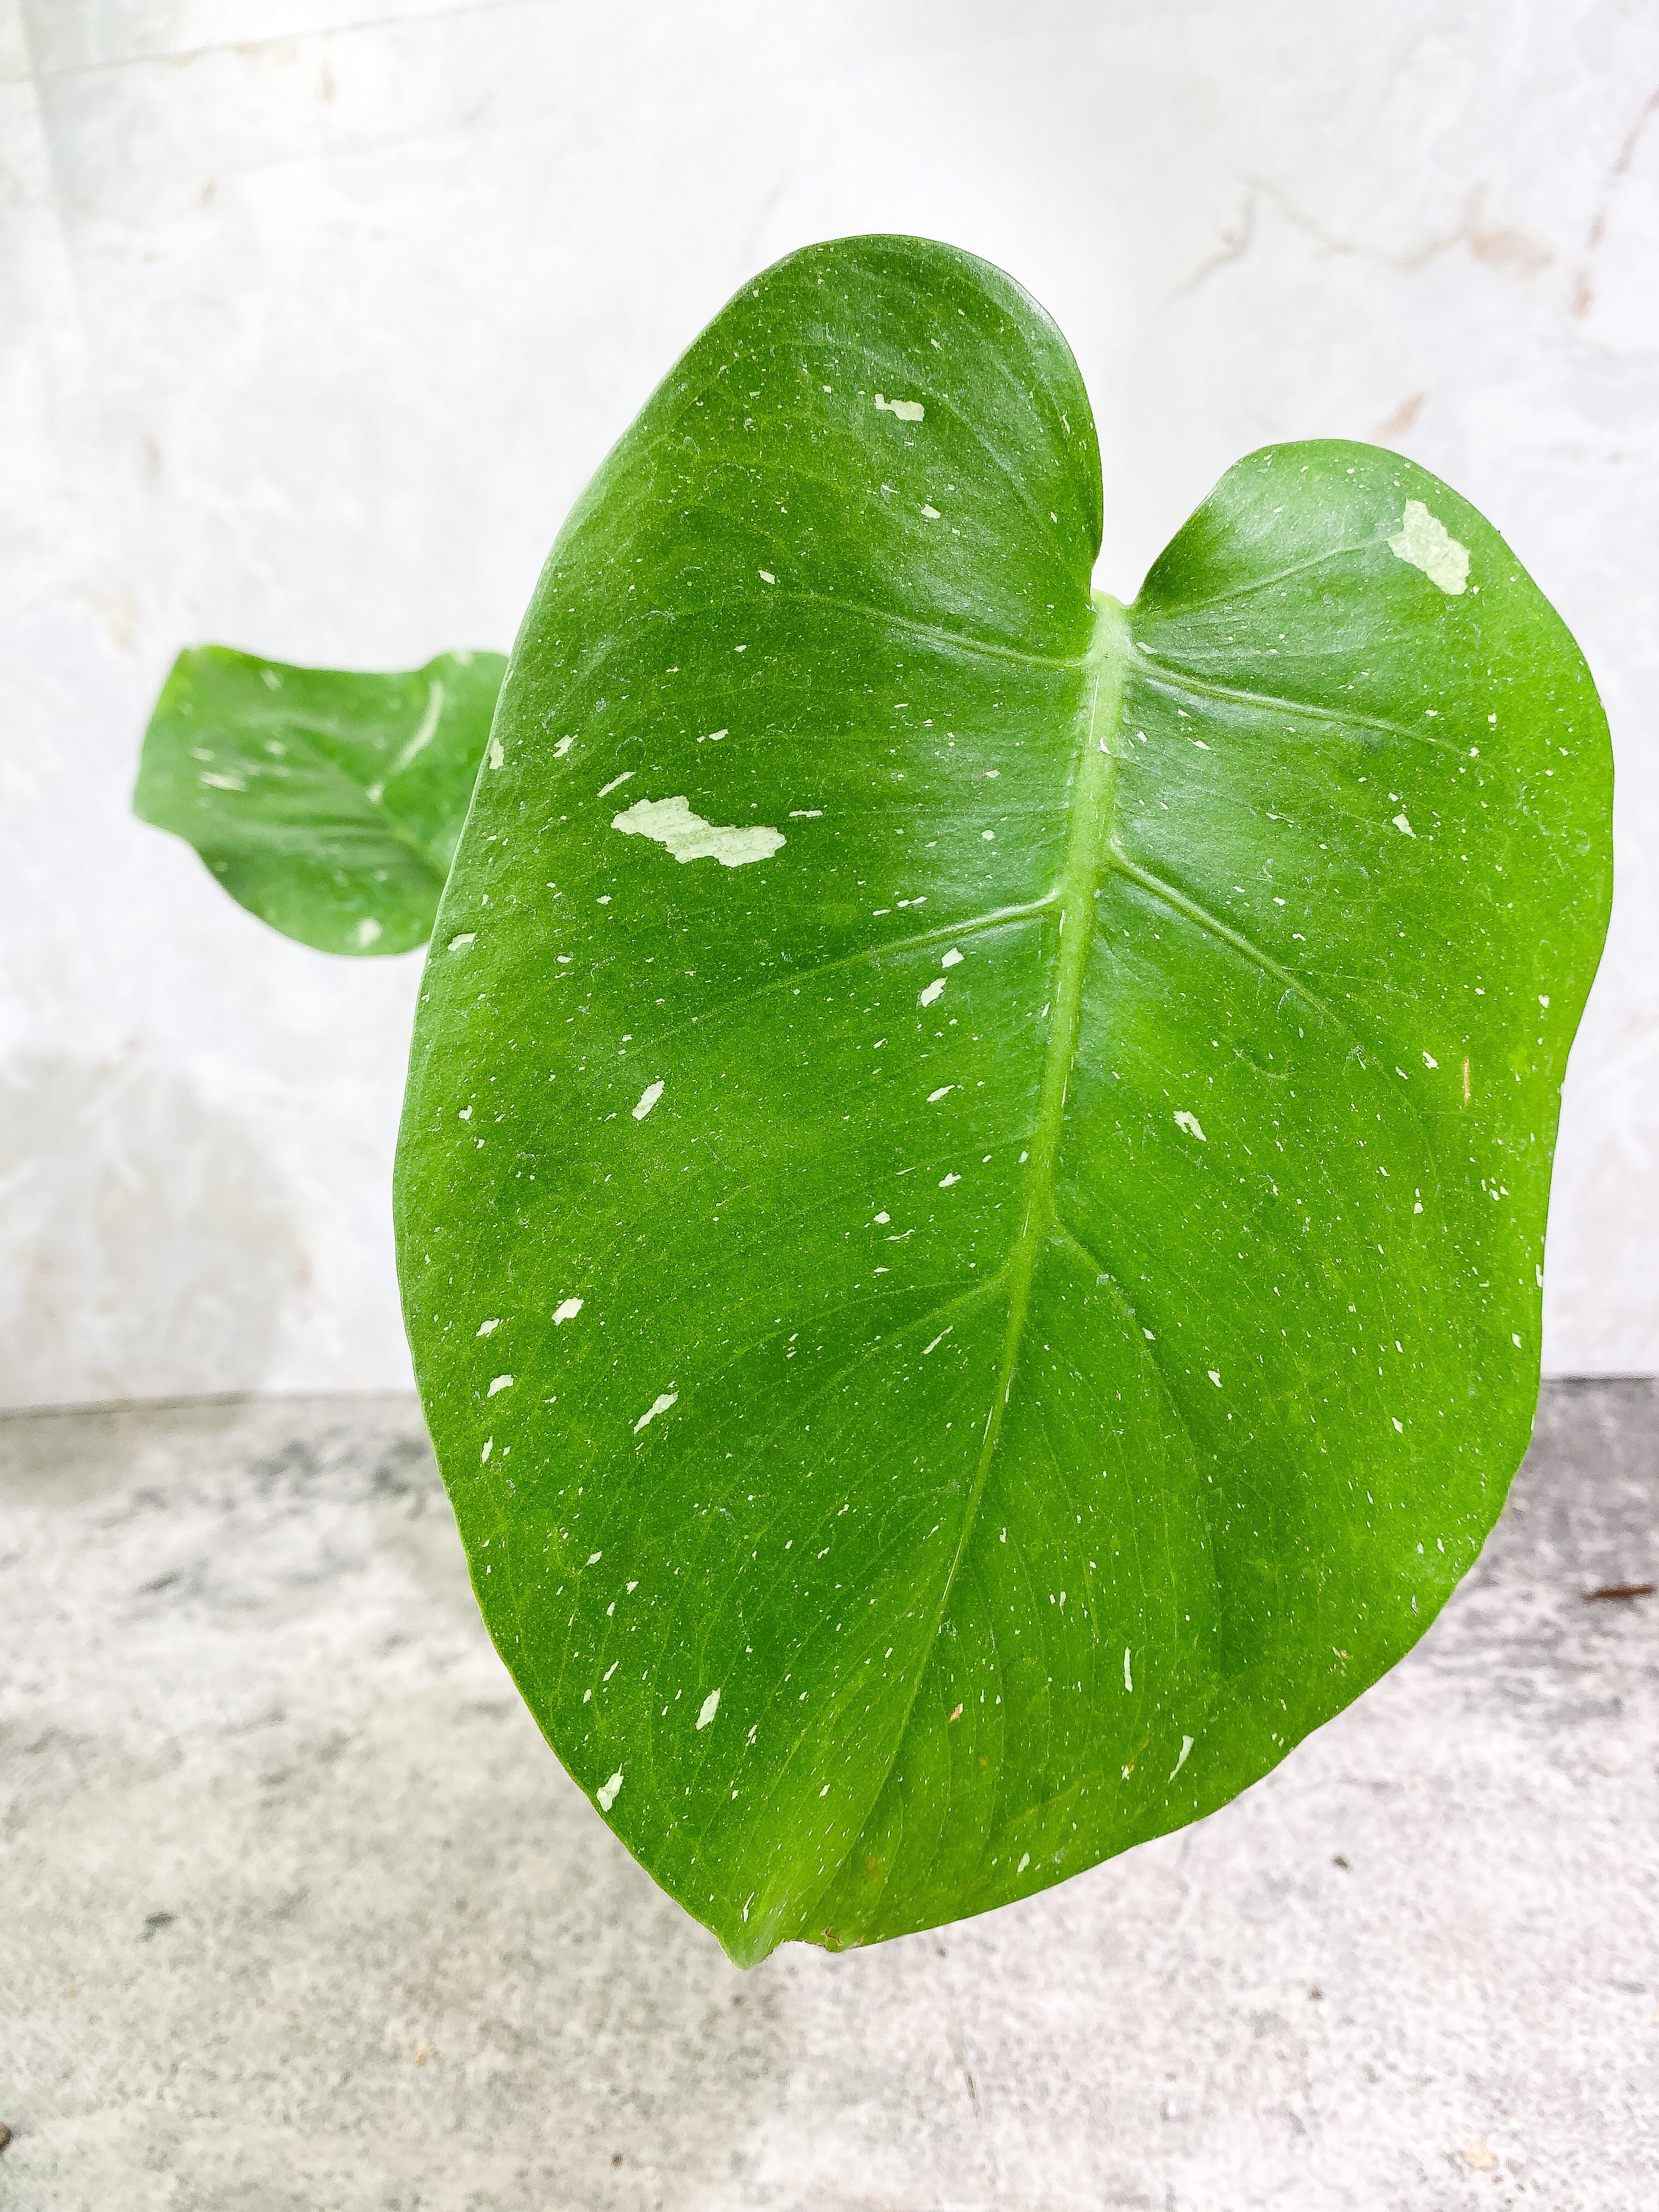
[302, 1916]
[315, 315]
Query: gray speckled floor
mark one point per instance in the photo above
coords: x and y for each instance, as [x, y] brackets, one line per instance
[301, 1916]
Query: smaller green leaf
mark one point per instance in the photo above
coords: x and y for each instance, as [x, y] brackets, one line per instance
[327, 804]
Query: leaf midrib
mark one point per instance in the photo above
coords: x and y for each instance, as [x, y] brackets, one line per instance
[1089, 856]
[381, 816]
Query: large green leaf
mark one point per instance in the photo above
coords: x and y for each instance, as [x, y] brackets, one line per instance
[329, 804]
[973, 1183]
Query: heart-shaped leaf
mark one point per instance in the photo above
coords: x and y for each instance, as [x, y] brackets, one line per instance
[328, 804]
[972, 1184]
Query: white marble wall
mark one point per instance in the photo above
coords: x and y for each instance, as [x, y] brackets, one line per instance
[315, 314]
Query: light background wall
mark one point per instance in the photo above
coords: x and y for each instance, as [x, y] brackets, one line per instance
[316, 314]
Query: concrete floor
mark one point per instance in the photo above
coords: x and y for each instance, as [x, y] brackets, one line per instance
[301, 1916]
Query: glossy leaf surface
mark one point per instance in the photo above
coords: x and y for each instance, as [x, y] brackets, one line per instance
[327, 804]
[972, 1184]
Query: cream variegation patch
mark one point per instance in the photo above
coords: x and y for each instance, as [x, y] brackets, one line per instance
[1425, 541]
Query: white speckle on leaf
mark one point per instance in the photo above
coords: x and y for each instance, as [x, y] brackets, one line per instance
[1186, 1746]
[883, 1218]
[908, 410]
[648, 1098]
[946, 1181]
[932, 513]
[594, 1558]
[567, 1310]
[944, 1091]
[1189, 1123]
[937, 1341]
[1429, 1061]
[422, 738]
[711, 1704]
[563, 746]
[807, 814]
[499, 1383]
[952, 959]
[661, 1405]
[490, 1446]
[926, 996]
[485, 1327]
[497, 757]
[615, 783]
[1425, 541]
[1214, 1375]
[1024, 1863]
[670, 823]
[606, 1792]
[1403, 826]
[456, 943]
[766, 576]
[1129, 1679]
[368, 930]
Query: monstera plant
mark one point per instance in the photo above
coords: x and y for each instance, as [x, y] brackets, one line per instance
[972, 1189]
